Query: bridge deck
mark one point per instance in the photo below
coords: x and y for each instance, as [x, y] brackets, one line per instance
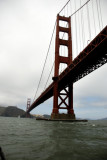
[91, 58]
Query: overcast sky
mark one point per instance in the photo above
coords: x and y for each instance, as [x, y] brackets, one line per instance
[25, 31]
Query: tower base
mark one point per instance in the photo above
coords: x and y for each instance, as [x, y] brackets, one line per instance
[62, 116]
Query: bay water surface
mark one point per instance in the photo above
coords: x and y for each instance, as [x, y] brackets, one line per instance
[29, 139]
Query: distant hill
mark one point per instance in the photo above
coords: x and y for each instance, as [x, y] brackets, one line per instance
[12, 111]
[2, 109]
[103, 119]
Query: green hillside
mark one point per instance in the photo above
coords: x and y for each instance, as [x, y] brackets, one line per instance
[12, 111]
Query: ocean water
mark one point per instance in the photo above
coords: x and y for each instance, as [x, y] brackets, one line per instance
[29, 139]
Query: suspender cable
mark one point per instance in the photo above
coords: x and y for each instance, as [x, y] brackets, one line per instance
[50, 44]
[82, 24]
[80, 7]
[89, 23]
[76, 31]
[93, 17]
[63, 7]
[45, 61]
[98, 15]
[49, 75]
[76, 10]
[79, 30]
[71, 7]
[67, 10]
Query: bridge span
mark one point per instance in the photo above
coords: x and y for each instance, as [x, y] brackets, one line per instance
[91, 58]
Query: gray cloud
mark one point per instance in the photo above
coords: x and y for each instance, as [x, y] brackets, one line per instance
[25, 30]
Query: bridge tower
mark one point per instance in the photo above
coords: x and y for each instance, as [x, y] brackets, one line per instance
[28, 106]
[62, 97]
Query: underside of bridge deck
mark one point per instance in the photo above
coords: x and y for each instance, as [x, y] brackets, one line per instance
[90, 59]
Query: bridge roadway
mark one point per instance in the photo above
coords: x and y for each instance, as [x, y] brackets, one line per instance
[91, 58]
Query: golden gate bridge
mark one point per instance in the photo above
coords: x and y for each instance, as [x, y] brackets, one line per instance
[79, 43]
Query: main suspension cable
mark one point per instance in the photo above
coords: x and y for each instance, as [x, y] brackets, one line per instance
[51, 41]
[45, 61]
[79, 8]
[63, 7]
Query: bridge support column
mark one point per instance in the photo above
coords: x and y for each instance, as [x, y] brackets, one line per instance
[62, 99]
[70, 102]
[28, 106]
[55, 100]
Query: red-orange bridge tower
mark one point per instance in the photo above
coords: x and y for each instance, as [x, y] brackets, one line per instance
[62, 99]
[90, 57]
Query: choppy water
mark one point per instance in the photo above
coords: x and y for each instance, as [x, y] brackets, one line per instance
[28, 139]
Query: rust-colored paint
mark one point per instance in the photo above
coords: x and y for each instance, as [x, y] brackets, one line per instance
[28, 106]
[57, 94]
[91, 58]
[28, 103]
